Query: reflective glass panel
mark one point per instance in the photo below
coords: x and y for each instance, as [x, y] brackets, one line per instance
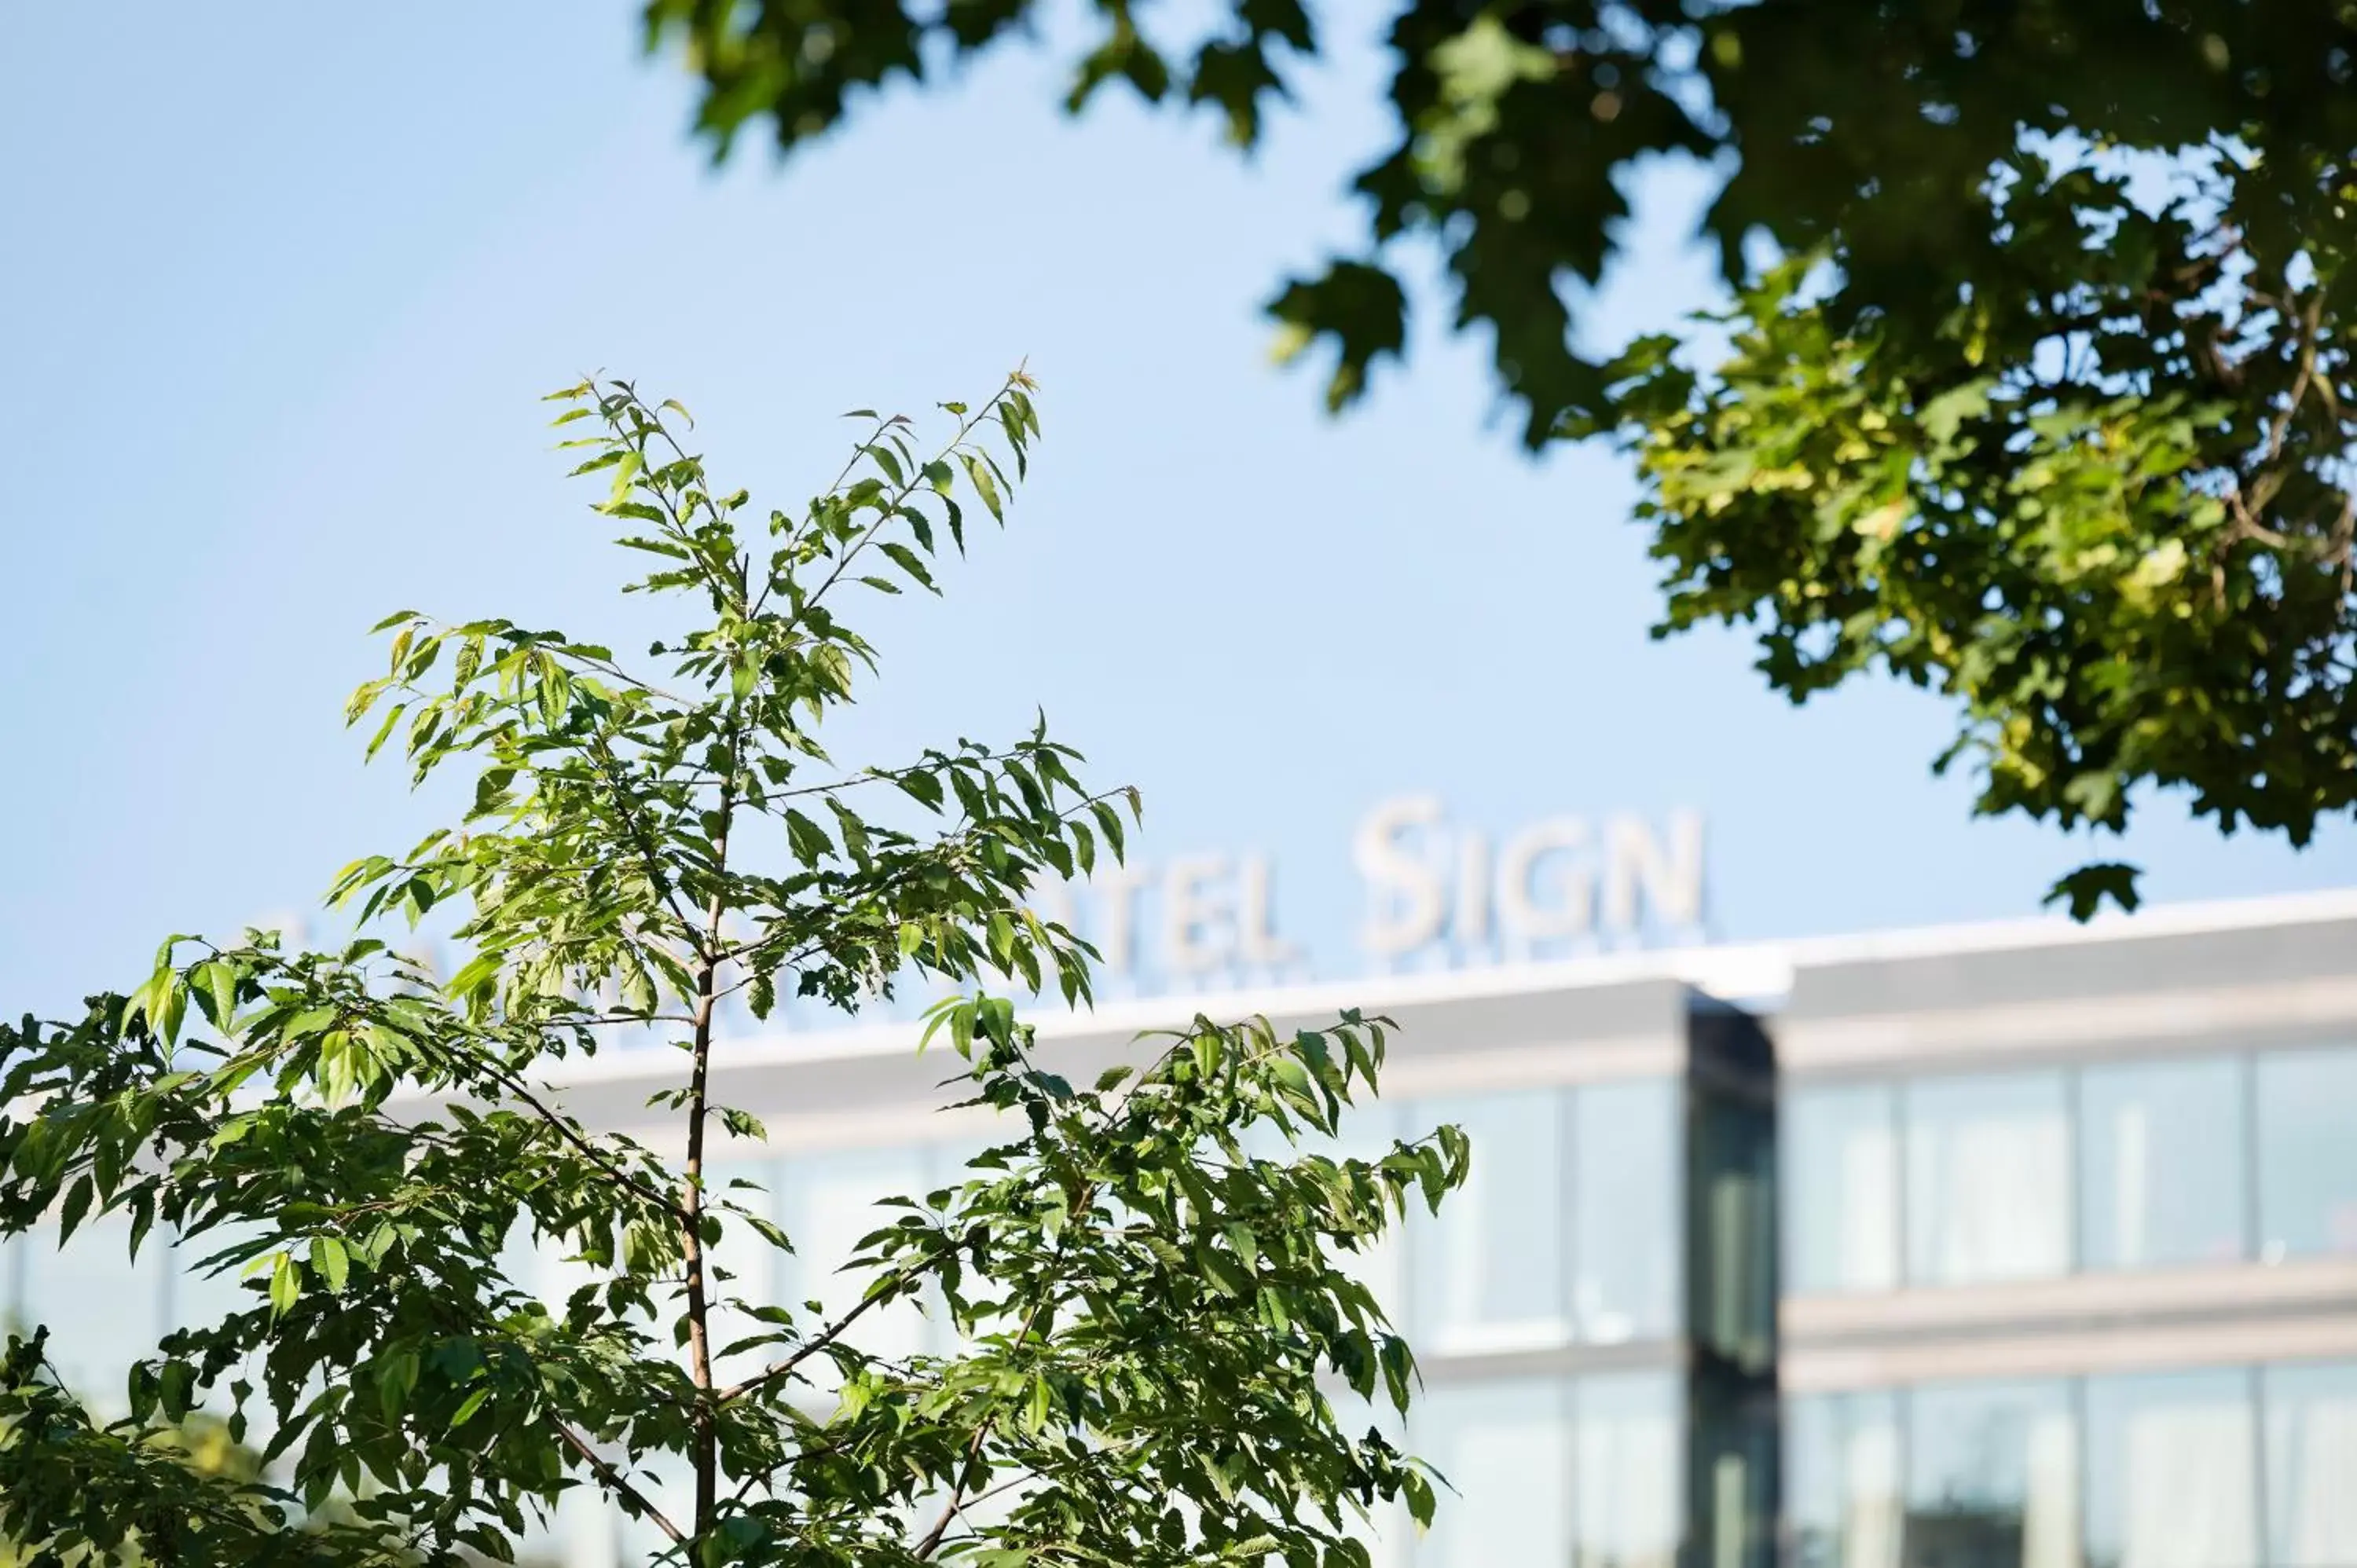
[1625, 1186]
[1988, 1179]
[1735, 1245]
[1489, 1270]
[1992, 1477]
[2312, 1465]
[2308, 1158]
[1841, 1480]
[1506, 1450]
[2161, 1163]
[2172, 1471]
[1628, 1512]
[1840, 1202]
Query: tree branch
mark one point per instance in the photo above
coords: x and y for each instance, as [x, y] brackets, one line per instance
[616, 1482]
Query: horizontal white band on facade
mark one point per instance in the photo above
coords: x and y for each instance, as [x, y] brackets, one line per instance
[2077, 1301]
[2089, 1351]
[2138, 1023]
[902, 1121]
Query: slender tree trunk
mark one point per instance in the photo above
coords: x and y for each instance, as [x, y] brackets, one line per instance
[699, 1305]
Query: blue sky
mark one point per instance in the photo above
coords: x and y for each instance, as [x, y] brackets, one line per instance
[281, 287]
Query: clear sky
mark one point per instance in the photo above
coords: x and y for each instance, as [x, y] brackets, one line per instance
[279, 286]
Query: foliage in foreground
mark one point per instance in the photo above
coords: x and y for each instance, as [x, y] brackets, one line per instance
[1154, 1328]
[2040, 390]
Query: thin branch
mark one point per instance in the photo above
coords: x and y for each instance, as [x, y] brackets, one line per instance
[931, 1539]
[616, 1482]
[565, 1129]
[827, 1335]
[966, 424]
[610, 771]
[887, 776]
[2309, 321]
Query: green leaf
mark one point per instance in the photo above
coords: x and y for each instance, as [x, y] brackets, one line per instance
[908, 562]
[807, 839]
[978, 475]
[2087, 889]
[330, 1262]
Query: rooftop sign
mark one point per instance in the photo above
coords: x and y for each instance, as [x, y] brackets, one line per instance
[1429, 891]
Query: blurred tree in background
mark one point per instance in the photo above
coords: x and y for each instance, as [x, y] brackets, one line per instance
[2035, 389]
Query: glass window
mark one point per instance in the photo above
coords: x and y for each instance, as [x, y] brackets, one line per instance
[1626, 1236]
[2172, 1471]
[1732, 1521]
[1367, 1134]
[828, 1202]
[2160, 1163]
[752, 1264]
[103, 1308]
[1988, 1179]
[1841, 1480]
[1840, 1203]
[2311, 1466]
[2308, 1160]
[1630, 1458]
[13, 1249]
[1735, 1295]
[1992, 1477]
[1505, 1448]
[1489, 1269]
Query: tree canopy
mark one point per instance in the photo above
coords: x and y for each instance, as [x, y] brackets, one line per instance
[1153, 1330]
[2035, 387]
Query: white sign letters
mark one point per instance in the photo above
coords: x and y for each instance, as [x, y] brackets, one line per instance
[1428, 887]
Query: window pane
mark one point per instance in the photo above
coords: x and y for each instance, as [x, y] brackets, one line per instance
[1506, 1449]
[1489, 1269]
[752, 1265]
[1627, 1514]
[1841, 1480]
[1735, 1244]
[1732, 1446]
[1992, 1477]
[103, 1309]
[2160, 1163]
[1988, 1179]
[2172, 1471]
[1387, 1532]
[2308, 1160]
[829, 1202]
[1841, 1189]
[14, 1248]
[2311, 1466]
[1626, 1236]
[1367, 1134]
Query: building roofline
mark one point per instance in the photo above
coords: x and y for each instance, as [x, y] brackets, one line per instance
[1755, 974]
